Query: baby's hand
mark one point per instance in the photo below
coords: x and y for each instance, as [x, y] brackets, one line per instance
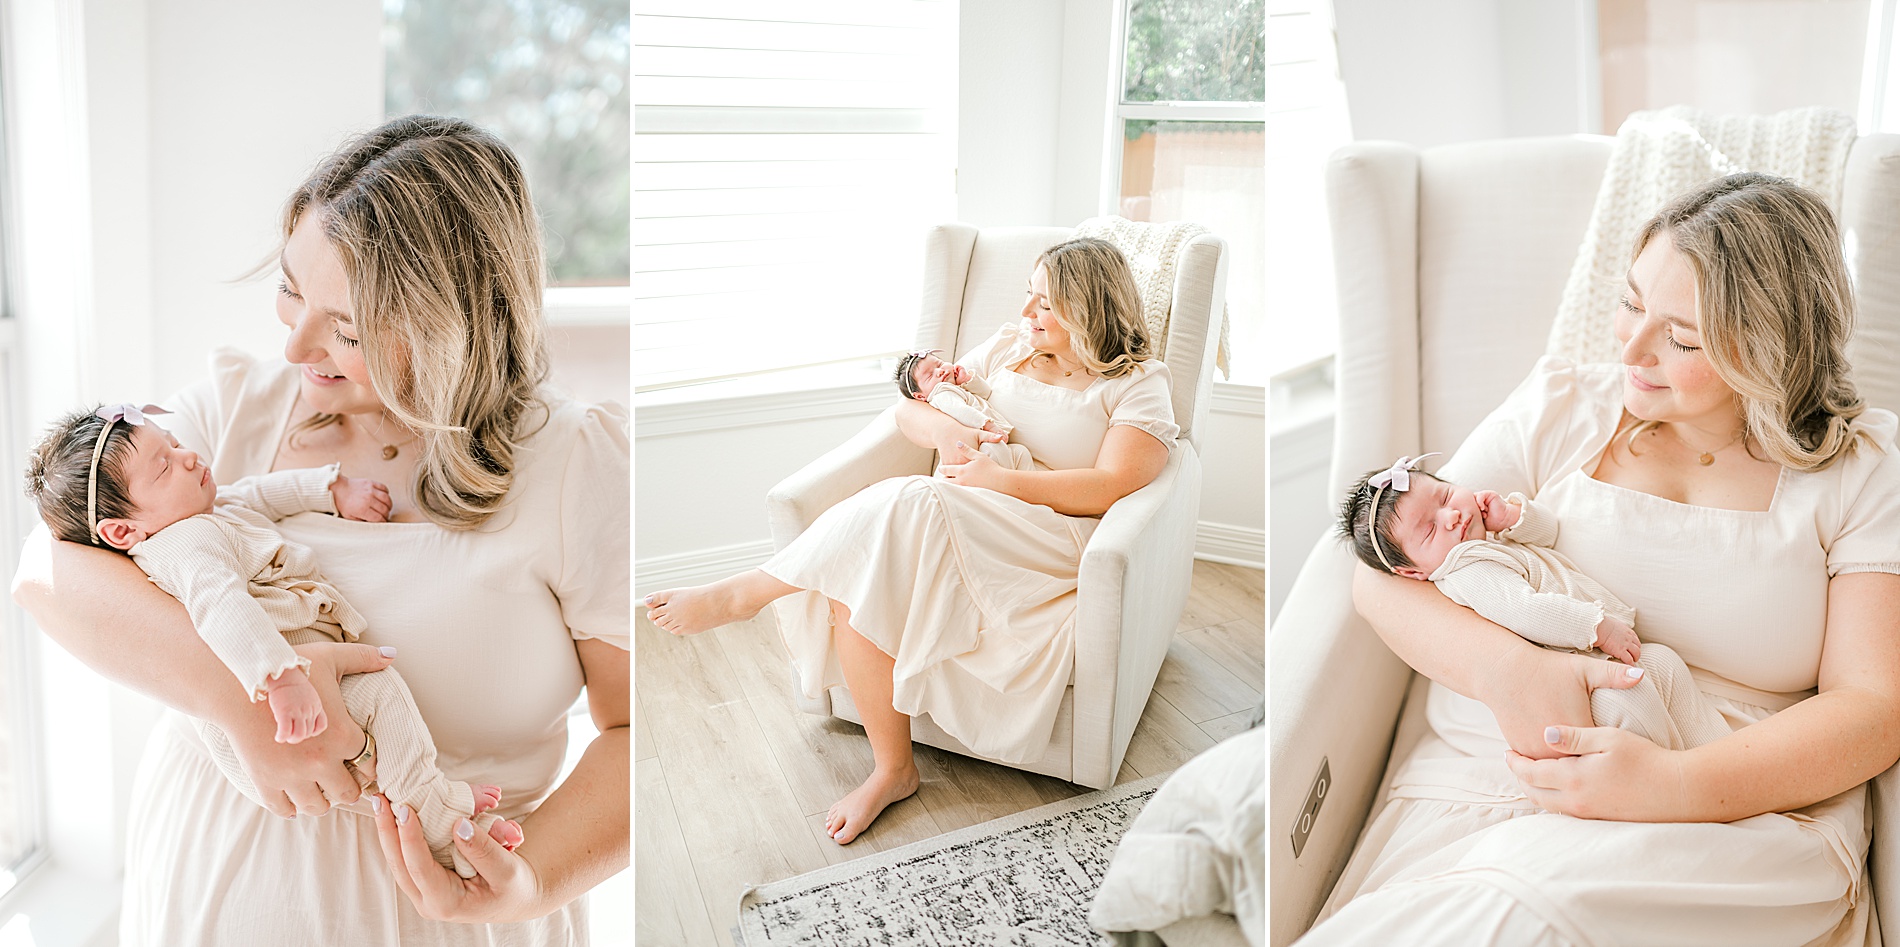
[992, 427]
[1618, 640]
[295, 706]
[1498, 512]
[359, 498]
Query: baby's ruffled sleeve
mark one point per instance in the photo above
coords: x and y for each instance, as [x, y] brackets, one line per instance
[1145, 400]
[1869, 536]
[595, 533]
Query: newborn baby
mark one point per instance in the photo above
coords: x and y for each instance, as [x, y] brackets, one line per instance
[113, 478]
[1494, 555]
[964, 396]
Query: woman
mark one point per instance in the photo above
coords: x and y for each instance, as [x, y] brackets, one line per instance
[956, 597]
[412, 275]
[1727, 481]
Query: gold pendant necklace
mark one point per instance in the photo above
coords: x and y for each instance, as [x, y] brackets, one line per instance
[1707, 457]
[389, 450]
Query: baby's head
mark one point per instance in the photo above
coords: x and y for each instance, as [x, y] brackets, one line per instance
[919, 374]
[1414, 520]
[144, 481]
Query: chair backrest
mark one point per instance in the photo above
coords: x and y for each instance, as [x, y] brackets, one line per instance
[1451, 262]
[974, 281]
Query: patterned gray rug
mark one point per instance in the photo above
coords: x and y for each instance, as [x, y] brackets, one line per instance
[1024, 881]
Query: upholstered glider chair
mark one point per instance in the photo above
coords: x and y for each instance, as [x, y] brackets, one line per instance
[1450, 258]
[1135, 572]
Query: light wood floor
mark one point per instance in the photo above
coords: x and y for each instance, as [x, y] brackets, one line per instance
[731, 781]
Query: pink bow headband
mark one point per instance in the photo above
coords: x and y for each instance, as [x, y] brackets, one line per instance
[132, 414]
[1398, 478]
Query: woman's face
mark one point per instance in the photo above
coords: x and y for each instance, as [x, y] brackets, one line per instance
[1669, 377]
[1045, 333]
[314, 301]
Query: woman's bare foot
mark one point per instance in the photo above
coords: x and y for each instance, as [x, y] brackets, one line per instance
[698, 608]
[854, 813]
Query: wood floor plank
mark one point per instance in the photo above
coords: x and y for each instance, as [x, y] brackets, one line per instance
[1239, 645]
[1164, 739]
[1220, 728]
[905, 822]
[737, 813]
[823, 758]
[1126, 774]
[960, 791]
[642, 741]
[1251, 581]
[671, 910]
[1212, 600]
[1199, 686]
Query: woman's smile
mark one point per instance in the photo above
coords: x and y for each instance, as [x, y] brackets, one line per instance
[1639, 384]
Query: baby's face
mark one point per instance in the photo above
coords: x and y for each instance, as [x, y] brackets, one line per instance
[931, 371]
[1431, 518]
[165, 482]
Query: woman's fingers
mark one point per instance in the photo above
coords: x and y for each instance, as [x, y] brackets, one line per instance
[389, 839]
[436, 886]
[1609, 674]
[349, 658]
[308, 799]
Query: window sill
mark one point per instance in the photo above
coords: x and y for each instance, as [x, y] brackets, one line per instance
[60, 907]
[588, 305]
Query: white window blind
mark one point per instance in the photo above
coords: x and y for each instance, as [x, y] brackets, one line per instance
[788, 157]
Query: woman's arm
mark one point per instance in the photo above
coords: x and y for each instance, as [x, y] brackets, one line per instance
[925, 426]
[575, 840]
[1843, 736]
[105, 612]
[1130, 459]
[1526, 687]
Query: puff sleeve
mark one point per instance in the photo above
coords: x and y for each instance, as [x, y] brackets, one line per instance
[592, 582]
[1868, 538]
[1145, 399]
[200, 411]
[1558, 416]
[988, 355]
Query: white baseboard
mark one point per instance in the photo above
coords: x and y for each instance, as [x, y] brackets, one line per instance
[697, 568]
[1233, 545]
[1215, 542]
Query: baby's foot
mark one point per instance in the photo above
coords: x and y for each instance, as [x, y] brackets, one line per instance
[850, 816]
[507, 832]
[689, 611]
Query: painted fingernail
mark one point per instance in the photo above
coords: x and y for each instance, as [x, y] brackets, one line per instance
[376, 804]
[402, 814]
[1635, 674]
[1551, 735]
[464, 829]
[386, 651]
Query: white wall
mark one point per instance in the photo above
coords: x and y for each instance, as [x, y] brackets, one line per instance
[1430, 72]
[1033, 80]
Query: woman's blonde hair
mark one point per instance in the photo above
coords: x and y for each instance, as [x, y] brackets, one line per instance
[438, 237]
[1094, 297]
[1774, 306]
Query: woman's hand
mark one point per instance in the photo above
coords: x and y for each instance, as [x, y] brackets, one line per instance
[925, 426]
[505, 887]
[1606, 774]
[979, 471]
[307, 778]
[956, 444]
[1534, 688]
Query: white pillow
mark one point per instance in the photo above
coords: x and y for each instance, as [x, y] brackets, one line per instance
[1199, 846]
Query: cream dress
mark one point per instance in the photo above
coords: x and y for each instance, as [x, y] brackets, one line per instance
[485, 623]
[1459, 856]
[971, 591]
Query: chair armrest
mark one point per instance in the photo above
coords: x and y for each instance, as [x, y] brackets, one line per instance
[1123, 629]
[877, 452]
[1337, 690]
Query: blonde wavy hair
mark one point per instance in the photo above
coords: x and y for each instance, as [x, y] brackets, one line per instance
[1094, 297]
[438, 236]
[1775, 307]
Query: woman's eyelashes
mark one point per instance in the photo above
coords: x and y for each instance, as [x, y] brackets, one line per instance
[1668, 333]
[346, 340]
[283, 287]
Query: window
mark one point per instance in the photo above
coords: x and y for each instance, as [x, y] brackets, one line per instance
[1306, 121]
[549, 77]
[21, 823]
[789, 156]
[1191, 107]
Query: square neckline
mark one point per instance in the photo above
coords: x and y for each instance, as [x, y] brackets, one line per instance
[1596, 458]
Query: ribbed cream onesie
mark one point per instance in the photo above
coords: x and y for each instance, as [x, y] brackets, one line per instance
[253, 595]
[969, 404]
[1521, 582]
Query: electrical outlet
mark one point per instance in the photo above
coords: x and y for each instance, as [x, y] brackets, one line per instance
[1315, 797]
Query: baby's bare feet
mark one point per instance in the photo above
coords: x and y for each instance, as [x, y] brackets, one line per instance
[486, 797]
[689, 611]
[508, 833]
[850, 816]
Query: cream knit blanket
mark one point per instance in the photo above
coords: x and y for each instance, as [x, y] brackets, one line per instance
[1658, 155]
[1151, 250]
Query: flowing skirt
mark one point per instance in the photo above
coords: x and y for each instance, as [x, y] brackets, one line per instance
[970, 591]
[207, 867]
[1457, 855]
